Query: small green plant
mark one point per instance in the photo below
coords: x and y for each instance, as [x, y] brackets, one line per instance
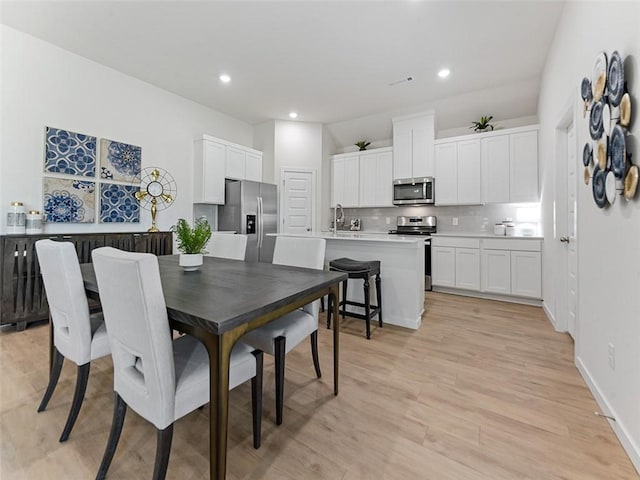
[483, 124]
[362, 144]
[192, 240]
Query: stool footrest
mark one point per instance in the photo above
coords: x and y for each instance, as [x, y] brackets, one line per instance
[373, 309]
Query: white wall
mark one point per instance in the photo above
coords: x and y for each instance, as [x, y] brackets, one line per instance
[299, 145]
[263, 140]
[609, 239]
[328, 149]
[43, 85]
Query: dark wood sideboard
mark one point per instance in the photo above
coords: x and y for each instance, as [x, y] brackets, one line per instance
[22, 295]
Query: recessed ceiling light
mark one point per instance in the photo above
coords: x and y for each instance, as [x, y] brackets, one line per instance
[224, 78]
[293, 115]
[444, 73]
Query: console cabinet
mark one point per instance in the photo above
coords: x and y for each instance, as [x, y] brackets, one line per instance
[22, 295]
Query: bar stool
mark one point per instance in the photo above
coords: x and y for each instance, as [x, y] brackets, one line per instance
[362, 270]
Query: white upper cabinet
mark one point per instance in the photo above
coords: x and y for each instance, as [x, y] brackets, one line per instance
[523, 166]
[243, 164]
[495, 169]
[457, 177]
[376, 184]
[209, 166]
[253, 167]
[413, 138]
[345, 180]
[235, 163]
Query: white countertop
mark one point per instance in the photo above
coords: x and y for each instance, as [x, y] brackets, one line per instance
[485, 235]
[360, 236]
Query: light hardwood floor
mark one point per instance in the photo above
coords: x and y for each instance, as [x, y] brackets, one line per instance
[484, 390]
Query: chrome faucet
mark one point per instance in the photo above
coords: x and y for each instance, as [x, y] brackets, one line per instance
[337, 217]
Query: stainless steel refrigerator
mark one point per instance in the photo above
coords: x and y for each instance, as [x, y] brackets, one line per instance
[251, 208]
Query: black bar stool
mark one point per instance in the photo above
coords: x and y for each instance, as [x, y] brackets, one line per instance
[362, 270]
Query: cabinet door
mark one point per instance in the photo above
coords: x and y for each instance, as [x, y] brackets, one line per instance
[523, 171]
[253, 167]
[368, 180]
[422, 144]
[402, 150]
[337, 181]
[469, 172]
[384, 180]
[468, 268]
[446, 179]
[495, 169]
[351, 181]
[496, 271]
[443, 266]
[235, 163]
[209, 172]
[526, 279]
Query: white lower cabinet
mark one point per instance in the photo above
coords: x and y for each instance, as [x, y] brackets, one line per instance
[468, 268]
[443, 266]
[526, 278]
[455, 262]
[496, 271]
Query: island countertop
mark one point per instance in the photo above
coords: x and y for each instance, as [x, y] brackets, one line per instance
[360, 236]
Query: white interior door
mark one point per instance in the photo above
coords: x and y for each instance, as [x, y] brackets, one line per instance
[572, 246]
[297, 201]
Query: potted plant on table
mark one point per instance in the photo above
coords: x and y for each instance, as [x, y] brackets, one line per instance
[191, 242]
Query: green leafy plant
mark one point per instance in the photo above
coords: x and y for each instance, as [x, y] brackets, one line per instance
[483, 124]
[362, 144]
[192, 240]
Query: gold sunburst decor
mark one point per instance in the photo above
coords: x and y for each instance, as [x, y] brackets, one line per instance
[158, 191]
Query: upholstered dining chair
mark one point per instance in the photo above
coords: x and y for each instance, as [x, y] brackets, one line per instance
[282, 335]
[160, 378]
[227, 245]
[77, 335]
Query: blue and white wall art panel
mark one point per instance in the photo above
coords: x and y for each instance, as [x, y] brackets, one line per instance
[70, 153]
[69, 201]
[118, 203]
[119, 161]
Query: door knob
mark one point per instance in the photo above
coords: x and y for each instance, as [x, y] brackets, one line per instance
[564, 239]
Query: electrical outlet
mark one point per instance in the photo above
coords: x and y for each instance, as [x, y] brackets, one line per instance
[387, 220]
[612, 356]
[454, 221]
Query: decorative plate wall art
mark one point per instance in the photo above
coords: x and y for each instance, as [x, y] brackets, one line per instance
[68, 200]
[119, 161]
[607, 160]
[69, 153]
[118, 203]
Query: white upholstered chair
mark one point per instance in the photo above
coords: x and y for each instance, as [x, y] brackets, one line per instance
[77, 335]
[160, 378]
[227, 245]
[282, 335]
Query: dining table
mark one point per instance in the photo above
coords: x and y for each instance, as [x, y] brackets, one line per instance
[220, 302]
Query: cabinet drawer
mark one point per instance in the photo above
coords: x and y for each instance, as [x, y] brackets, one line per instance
[521, 245]
[459, 242]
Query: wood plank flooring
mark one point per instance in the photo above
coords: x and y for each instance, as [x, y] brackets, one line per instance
[485, 390]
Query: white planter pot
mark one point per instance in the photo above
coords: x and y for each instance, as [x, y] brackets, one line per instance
[190, 261]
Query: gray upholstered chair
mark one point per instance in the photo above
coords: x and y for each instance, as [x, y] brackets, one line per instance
[160, 378]
[77, 335]
[282, 335]
[227, 245]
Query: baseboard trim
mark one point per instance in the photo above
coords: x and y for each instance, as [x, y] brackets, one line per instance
[489, 296]
[550, 316]
[618, 427]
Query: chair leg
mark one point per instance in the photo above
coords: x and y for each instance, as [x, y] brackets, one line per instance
[379, 299]
[119, 411]
[322, 304]
[256, 400]
[367, 307]
[54, 375]
[280, 346]
[163, 449]
[314, 353]
[344, 298]
[78, 396]
[329, 310]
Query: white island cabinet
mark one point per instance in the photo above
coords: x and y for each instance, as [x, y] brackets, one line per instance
[401, 272]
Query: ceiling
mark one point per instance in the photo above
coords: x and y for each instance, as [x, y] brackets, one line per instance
[328, 60]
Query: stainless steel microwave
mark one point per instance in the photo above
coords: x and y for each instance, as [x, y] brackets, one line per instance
[413, 191]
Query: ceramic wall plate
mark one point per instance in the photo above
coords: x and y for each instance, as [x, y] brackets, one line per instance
[586, 175]
[606, 119]
[625, 110]
[618, 151]
[587, 154]
[599, 77]
[598, 187]
[601, 153]
[610, 187]
[615, 79]
[631, 182]
[585, 90]
[595, 120]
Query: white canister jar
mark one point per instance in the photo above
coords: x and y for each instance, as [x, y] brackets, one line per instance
[510, 231]
[16, 218]
[34, 222]
[499, 229]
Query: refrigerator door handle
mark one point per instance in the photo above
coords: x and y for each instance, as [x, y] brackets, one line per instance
[260, 222]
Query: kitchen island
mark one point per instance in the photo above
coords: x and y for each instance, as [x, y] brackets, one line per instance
[401, 271]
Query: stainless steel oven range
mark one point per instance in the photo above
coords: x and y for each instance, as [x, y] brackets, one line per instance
[423, 226]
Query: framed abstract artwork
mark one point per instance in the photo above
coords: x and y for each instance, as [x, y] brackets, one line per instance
[69, 200]
[118, 203]
[69, 153]
[119, 161]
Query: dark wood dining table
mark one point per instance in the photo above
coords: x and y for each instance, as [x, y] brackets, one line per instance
[222, 301]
